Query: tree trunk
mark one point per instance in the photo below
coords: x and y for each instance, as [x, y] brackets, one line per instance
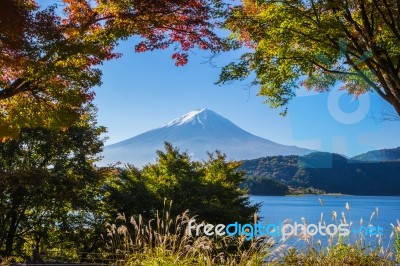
[396, 106]
[15, 217]
[11, 234]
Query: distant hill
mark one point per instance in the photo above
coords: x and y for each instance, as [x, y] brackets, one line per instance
[329, 172]
[379, 155]
[199, 131]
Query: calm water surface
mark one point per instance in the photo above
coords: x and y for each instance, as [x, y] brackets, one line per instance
[386, 210]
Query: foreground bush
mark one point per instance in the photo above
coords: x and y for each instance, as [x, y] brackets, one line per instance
[208, 189]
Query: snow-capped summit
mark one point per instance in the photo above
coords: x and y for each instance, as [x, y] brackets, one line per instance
[200, 123]
[198, 131]
[195, 116]
[203, 118]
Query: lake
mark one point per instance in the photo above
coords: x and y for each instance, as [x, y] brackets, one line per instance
[385, 210]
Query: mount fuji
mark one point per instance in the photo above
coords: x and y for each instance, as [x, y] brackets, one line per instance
[196, 132]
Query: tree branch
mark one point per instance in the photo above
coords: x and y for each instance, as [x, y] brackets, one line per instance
[334, 71]
[18, 86]
[366, 79]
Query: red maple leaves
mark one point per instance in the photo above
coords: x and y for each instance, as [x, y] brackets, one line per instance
[48, 56]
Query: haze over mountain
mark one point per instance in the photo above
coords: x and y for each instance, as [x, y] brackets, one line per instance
[379, 155]
[197, 132]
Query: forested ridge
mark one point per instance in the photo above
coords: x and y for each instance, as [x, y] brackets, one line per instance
[321, 172]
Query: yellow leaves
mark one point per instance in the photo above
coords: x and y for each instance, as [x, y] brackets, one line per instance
[73, 61]
[78, 10]
[71, 32]
[26, 110]
[251, 7]
[54, 53]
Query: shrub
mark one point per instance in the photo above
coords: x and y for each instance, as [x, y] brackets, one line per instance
[210, 190]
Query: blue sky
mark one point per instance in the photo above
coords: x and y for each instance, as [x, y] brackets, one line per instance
[144, 91]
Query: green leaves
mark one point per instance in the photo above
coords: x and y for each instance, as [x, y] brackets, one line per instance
[209, 189]
[315, 44]
[50, 190]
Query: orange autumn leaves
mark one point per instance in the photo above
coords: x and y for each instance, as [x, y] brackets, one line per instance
[49, 56]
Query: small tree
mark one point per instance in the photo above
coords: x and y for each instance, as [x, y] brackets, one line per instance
[127, 192]
[208, 189]
[225, 200]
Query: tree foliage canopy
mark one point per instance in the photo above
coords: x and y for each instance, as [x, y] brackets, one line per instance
[52, 196]
[50, 190]
[48, 55]
[211, 189]
[316, 43]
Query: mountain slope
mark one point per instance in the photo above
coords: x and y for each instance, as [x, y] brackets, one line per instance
[379, 155]
[197, 132]
[342, 176]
